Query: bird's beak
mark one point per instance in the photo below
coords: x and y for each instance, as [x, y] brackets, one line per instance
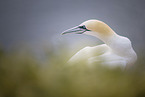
[75, 30]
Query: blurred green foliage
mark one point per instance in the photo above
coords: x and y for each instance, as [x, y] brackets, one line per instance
[22, 75]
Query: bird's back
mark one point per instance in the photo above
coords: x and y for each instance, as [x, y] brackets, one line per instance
[101, 54]
[88, 52]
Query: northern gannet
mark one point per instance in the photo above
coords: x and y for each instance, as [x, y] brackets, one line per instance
[117, 50]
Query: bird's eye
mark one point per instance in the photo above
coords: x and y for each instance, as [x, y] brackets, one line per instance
[83, 27]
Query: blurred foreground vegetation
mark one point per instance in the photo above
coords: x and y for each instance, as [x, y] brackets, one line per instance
[22, 75]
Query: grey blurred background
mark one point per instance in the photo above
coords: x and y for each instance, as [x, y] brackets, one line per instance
[40, 22]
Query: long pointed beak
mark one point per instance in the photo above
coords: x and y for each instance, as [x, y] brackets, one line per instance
[75, 30]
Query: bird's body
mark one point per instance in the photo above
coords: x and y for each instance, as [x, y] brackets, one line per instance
[113, 55]
[117, 50]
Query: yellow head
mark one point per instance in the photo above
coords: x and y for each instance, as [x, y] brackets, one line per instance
[92, 27]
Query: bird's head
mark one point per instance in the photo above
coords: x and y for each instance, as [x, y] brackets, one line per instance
[91, 27]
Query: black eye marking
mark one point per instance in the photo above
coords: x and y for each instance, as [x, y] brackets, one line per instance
[84, 27]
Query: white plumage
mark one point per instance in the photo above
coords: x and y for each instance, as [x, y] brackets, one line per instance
[117, 50]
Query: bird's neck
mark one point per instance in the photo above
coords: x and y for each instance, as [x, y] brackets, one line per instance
[116, 42]
[119, 45]
[109, 39]
[105, 38]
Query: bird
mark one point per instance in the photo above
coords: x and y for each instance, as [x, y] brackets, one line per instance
[117, 50]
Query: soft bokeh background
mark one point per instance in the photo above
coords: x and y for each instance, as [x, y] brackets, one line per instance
[33, 53]
[39, 22]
